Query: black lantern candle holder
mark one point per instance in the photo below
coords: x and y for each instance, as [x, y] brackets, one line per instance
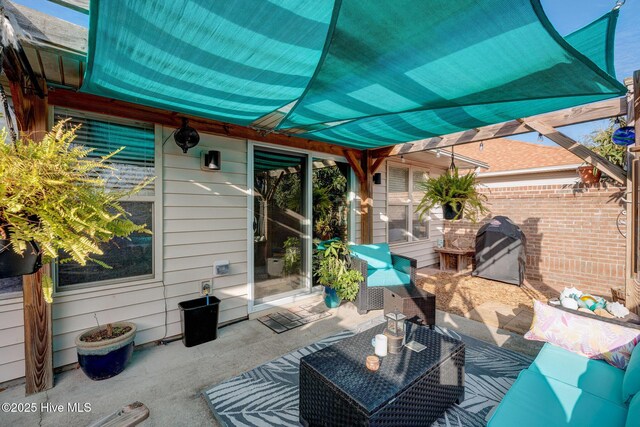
[395, 331]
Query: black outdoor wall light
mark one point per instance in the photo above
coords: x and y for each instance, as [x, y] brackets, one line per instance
[186, 137]
[211, 160]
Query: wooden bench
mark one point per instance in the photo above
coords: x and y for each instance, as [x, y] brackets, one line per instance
[454, 259]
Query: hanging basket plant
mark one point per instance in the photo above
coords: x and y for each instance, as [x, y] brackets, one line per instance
[458, 196]
[54, 203]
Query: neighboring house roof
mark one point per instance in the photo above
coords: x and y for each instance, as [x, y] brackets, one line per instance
[510, 155]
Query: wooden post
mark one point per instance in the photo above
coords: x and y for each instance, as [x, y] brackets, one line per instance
[632, 285]
[362, 168]
[38, 349]
[366, 196]
[32, 117]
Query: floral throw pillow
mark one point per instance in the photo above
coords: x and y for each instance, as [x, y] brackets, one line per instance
[589, 337]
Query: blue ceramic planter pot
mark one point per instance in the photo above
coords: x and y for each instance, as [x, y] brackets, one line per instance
[105, 359]
[331, 298]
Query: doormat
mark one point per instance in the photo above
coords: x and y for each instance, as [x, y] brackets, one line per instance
[285, 320]
[268, 394]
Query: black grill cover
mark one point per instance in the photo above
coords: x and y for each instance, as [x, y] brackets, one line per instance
[500, 251]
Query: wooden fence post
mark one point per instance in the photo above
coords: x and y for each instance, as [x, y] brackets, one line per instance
[32, 117]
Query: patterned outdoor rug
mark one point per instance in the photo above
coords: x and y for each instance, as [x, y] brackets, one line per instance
[285, 320]
[268, 394]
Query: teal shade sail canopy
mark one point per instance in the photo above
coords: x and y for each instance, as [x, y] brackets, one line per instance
[233, 61]
[361, 74]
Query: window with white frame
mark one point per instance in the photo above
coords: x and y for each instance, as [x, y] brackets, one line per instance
[403, 195]
[133, 258]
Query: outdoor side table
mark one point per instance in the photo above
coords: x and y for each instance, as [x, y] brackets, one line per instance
[454, 259]
[409, 389]
[417, 304]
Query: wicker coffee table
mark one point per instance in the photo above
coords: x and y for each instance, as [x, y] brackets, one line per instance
[417, 304]
[409, 389]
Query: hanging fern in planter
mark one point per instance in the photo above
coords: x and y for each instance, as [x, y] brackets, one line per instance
[452, 191]
[53, 194]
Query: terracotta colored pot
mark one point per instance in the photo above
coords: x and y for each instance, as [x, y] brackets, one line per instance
[587, 176]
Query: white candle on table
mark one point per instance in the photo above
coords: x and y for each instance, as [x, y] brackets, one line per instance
[381, 345]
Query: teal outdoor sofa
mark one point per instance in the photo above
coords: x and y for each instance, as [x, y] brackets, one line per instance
[380, 268]
[562, 388]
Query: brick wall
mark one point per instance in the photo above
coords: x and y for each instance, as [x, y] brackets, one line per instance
[572, 234]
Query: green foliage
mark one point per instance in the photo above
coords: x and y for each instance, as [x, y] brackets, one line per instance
[460, 192]
[291, 260]
[329, 203]
[334, 270]
[53, 194]
[600, 142]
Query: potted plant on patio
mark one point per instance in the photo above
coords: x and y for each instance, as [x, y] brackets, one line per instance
[54, 203]
[458, 196]
[601, 142]
[105, 351]
[335, 274]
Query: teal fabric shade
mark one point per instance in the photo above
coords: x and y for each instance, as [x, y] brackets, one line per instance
[361, 74]
[266, 161]
[229, 60]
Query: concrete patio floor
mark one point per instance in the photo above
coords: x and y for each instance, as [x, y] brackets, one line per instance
[169, 378]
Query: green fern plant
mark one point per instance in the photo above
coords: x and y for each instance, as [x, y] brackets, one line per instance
[52, 193]
[459, 192]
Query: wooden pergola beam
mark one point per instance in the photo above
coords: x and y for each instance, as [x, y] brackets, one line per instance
[584, 113]
[578, 149]
[81, 6]
[354, 162]
[632, 285]
[97, 104]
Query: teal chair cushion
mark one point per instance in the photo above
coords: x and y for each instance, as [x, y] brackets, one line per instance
[377, 255]
[387, 277]
[579, 371]
[631, 383]
[535, 401]
[633, 416]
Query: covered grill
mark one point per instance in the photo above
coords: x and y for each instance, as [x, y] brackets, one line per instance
[500, 251]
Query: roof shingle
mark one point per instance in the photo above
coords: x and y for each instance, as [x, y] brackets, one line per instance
[507, 154]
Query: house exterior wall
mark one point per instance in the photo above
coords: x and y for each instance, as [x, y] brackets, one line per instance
[204, 220]
[572, 233]
[564, 177]
[421, 250]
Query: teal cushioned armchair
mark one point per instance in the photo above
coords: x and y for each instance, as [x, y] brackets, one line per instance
[380, 268]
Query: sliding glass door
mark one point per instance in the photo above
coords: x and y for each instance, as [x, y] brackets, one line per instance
[280, 237]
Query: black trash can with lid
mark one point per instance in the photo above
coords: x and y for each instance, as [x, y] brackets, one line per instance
[199, 320]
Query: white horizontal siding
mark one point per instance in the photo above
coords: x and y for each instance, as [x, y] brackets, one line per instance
[11, 339]
[422, 251]
[569, 177]
[205, 220]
